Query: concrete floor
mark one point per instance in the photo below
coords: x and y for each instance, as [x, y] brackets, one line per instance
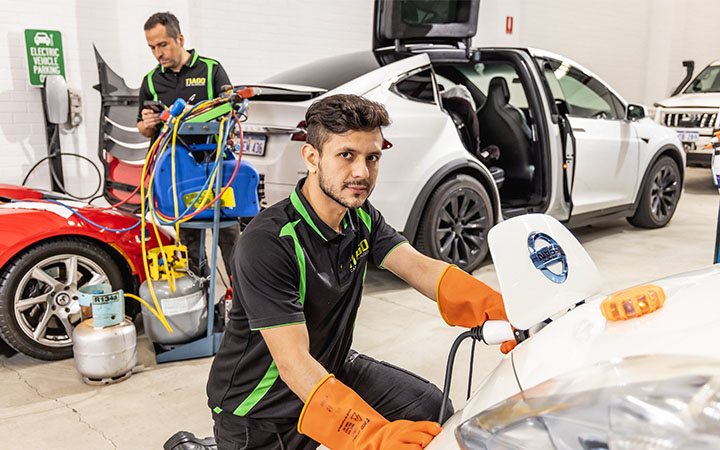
[45, 405]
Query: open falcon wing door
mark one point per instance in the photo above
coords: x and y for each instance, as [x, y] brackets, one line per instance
[398, 23]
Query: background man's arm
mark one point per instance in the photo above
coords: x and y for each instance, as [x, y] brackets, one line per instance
[289, 346]
[147, 119]
[220, 79]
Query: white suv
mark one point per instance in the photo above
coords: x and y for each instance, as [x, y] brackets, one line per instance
[692, 111]
[478, 134]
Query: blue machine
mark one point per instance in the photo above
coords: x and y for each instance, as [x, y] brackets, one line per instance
[192, 179]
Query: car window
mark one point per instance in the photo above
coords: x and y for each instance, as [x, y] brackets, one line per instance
[418, 87]
[481, 74]
[586, 97]
[552, 81]
[707, 81]
[417, 12]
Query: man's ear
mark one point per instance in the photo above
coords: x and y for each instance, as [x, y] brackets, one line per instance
[311, 158]
[181, 40]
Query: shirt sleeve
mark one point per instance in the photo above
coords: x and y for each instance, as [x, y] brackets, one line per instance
[268, 279]
[220, 79]
[383, 237]
[143, 95]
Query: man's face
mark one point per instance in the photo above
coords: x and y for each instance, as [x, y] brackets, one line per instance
[167, 51]
[348, 166]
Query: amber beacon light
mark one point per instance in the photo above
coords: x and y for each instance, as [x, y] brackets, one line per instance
[634, 302]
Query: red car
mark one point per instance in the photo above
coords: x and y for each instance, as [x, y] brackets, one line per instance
[47, 252]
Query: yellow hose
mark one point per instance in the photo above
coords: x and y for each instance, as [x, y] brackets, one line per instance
[159, 315]
[157, 311]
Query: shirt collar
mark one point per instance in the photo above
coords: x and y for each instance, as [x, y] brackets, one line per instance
[309, 216]
[189, 63]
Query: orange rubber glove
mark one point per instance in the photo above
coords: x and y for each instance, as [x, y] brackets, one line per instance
[468, 302]
[335, 416]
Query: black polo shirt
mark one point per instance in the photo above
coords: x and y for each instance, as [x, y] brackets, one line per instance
[203, 77]
[290, 267]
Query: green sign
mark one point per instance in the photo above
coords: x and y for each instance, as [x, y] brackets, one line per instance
[44, 55]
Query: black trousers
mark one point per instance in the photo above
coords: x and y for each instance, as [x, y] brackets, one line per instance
[393, 392]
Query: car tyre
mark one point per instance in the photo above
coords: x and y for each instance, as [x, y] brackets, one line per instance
[39, 305]
[455, 223]
[660, 195]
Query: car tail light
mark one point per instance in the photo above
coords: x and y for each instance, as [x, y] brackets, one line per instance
[301, 135]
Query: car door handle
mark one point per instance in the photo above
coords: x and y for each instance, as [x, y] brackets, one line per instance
[578, 130]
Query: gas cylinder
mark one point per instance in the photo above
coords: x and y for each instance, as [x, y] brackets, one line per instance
[185, 309]
[104, 355]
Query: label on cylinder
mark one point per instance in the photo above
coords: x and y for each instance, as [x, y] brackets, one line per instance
[178, 305]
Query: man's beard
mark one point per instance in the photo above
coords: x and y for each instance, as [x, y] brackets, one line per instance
[330, 191]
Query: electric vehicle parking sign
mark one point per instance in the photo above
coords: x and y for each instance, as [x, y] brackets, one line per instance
[544, 257]
[44, 55]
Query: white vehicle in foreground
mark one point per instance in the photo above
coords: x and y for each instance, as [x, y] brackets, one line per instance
[579, 381]
[568, 145]
[582, 381]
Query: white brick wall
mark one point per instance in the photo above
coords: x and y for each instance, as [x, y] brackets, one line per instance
[637, 46]
[250, 38]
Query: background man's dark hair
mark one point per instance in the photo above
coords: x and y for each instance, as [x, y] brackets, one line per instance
[340, 113]
[166, 19]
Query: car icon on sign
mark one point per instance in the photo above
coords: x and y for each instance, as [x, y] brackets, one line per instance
[42, 37]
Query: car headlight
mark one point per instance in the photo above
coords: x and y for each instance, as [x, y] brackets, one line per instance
[677, 407]
[652, 112]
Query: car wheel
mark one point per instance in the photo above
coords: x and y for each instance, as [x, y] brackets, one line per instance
[39, 305]
[659, 196]
[455, 223]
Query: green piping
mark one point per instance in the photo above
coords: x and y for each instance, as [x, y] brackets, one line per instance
[218, 410]
[365, 217]
[151, 86]
[194, 58]
[380, 266]
[303, 212]
[259, 392]
[289, 230]
[209, 83]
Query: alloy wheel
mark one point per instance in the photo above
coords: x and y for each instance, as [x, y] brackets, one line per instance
[46, 302]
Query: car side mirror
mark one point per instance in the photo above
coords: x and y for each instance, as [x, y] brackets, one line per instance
[635, 112]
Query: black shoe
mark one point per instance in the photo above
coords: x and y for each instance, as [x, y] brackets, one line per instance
[185, 440]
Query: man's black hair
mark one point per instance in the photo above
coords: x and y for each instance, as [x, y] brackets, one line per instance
[341, 113]
[166, 19]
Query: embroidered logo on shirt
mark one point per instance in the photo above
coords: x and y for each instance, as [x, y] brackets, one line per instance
[194, 82]
[362, 248]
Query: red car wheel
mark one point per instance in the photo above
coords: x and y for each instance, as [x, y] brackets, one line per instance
[39, 294]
